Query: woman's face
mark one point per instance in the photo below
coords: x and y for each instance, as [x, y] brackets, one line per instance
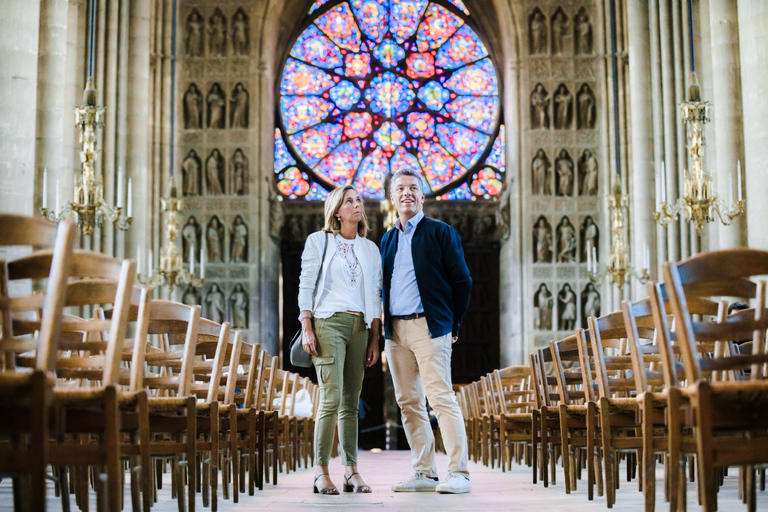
[351, 209]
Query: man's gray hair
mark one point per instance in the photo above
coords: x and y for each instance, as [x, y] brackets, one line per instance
[406, 171]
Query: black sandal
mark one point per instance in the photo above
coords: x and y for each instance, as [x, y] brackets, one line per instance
[348, 487]
[330, 490]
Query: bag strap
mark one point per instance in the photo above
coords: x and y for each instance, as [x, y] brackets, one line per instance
[320, 271]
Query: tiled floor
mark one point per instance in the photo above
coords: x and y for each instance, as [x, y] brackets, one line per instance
[492, 490]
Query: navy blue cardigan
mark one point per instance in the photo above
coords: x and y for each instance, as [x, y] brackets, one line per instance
[441, 272]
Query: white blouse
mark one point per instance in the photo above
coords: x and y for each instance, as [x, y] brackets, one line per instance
[344, 284]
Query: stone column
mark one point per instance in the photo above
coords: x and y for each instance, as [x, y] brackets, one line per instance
[19, 40]
[753, 19]
[641, 137]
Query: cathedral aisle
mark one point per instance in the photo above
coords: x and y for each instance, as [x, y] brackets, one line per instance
[492, 490]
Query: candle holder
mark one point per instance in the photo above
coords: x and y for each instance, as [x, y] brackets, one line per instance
[699, 202]
[619, 271]
[88, 204]
[171, 271]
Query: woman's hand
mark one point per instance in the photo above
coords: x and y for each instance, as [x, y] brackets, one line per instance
[308, 340]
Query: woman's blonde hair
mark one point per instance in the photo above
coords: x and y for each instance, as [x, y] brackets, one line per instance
[332, 205]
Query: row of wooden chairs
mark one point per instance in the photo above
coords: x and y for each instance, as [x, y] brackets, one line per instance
[96, 376]
[664, 378]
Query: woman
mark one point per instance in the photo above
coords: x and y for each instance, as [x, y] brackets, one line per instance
[340, 327]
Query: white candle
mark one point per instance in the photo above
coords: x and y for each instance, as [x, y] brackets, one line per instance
[192, 259]
[738, 180]
[663, 183]
[149, 263]
[58, 199]
[202, 263]
[130, 196]
[120, 178]
[594, 259]
[45, 188]
[138, 259]
[589, 256]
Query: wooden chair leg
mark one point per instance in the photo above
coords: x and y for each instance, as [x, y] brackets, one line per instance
[565, 449]
[609, 460]
[590, 456]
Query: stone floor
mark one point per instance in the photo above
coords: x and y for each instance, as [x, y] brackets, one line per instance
[492, 490]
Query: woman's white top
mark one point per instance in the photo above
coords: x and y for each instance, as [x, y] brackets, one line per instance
[350, 276]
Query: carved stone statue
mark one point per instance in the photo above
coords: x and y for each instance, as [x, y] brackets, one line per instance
[217, 34]
[563, 108]
[542, 305]
[566, 241]
[537, 32]
[214, 237]
[238, 250]
[560, 27]
[564, 170]
[590, 303]
[190, 297]
[542, 241]
[566, 302]
[216, 105]
[582, 32]
[215, 305]
[240, 33]
[195, 26]
[190, 239]
[214, 173]
[239, 173]
[239, 107]
[541, 174]
[588, 174]
[190, 173]
[585, 120]
[590, 234]
[193, 108]
[238, 305]
[540, 108]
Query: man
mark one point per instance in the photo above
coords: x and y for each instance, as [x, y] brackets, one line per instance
[425, 295]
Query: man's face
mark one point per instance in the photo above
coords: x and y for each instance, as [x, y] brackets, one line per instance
[407, 196]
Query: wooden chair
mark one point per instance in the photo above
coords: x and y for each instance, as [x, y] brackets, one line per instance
[517, 401]
[548, 402]
[731, 416]
[263, 398]
[25, 393]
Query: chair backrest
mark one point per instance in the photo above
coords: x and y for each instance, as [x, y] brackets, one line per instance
[263, 388]
[20, 235]
[644, 349]
[611, 362]
[716, 276]
[514, 389]
[211, 347]
[572, 381]
[549, 382]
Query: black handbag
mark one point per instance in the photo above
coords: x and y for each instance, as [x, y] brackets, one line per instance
[300, 357]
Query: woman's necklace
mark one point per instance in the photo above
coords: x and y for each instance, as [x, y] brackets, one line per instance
[349, 262]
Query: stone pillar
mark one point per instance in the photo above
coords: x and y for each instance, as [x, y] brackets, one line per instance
[641, 124]
[19, 40]
[753, 19]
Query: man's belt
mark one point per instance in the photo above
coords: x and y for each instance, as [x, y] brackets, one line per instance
[412, 316]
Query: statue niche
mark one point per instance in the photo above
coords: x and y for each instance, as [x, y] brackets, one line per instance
[541, 174]
[590, 237]
[190, 239]
[238, 112]
[587, 174]
[560, 29]
[542, 241]
[585, 119]
[238, 245]
[563, 108]
[195, 27]
[566, 241]
[564, 170]
[542, 308]
[238, 307]
[214, 238]
[566, 306]
[582, 33]
[193, 108]
[214, 173]
[540, 108]
[191, 169]
[240, 33]
[537, 32]
[217, 34]
[238, 184]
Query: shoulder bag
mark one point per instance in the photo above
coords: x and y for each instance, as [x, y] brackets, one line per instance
[299, 356]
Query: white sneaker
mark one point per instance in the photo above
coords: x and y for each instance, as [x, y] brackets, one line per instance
[455, 483]
[417, 483]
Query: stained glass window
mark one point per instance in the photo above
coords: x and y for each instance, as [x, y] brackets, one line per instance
[373, 86]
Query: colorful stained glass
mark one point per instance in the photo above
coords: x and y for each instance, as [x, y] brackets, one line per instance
[434, 96]
[300, 78]
[303, 111]
[439, 24]
[404, 18]
[420, 65]
[372, 17]
[487, 183]
[282, 157]
[373, 170]
[357, 64]
[479, 79]
[462, 48]
[421, 125]
[339, 25]
[372, 86]
[389, 94]
[476, 112]
[497, 158]
[345, 95]
[357, 124]
[466, 144]
[439, 166]
[313, 47]
[339, 167]
[389, 136]
[315, 143]
[316, 193]
[460, 193]
[293, 183]
[389, 53]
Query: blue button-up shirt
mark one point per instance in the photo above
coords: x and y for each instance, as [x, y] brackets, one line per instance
[404, 298]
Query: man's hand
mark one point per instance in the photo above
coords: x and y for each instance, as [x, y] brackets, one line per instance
[455, 339]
